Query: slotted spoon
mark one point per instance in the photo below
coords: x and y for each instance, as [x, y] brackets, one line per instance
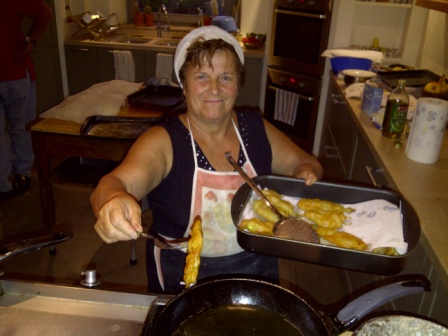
[286, 227]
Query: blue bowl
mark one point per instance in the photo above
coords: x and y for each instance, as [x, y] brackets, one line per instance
[342, 63]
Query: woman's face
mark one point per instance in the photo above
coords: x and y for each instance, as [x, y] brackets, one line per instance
[210, 92]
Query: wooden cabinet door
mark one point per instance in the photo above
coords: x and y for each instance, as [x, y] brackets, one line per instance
[249, 94]
[82, 69]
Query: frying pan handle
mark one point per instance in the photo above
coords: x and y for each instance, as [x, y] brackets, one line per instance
[366, 303]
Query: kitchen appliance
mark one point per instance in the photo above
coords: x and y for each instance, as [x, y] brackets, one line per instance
[333, 256]
[299, 36]
[244, 303]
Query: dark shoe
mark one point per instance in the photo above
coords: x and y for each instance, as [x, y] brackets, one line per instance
[21, 184]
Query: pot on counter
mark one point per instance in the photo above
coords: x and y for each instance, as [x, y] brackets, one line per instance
[230, 305]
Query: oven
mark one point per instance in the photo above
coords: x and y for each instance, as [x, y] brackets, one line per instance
[300, 126]
[299, 36]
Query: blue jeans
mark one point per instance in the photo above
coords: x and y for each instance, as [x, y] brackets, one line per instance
[17, 108]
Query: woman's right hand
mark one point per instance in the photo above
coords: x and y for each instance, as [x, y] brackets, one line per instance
[119, 218]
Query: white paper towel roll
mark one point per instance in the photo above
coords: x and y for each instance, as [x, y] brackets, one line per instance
[427, 130]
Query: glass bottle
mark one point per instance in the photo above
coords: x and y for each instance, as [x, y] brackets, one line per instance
[396, 111]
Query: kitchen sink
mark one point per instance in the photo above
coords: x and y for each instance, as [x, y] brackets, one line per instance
[131, 39]
[29, 308]
[166, 42]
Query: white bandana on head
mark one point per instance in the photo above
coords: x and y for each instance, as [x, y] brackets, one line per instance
[208, 33]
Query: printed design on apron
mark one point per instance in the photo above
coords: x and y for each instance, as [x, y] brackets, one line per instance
[212, 195]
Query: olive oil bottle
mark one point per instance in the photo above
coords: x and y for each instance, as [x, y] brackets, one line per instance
[396, 111]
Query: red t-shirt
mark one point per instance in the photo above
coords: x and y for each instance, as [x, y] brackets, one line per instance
[11, 36]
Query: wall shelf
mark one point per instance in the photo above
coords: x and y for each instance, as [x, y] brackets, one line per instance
[438, 5]
[383, 4]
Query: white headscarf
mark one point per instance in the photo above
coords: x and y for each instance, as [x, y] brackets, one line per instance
[207, 33]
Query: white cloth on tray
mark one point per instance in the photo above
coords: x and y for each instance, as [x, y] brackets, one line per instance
[104, 98]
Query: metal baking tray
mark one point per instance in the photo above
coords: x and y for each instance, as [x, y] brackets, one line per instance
[159, 98]
[415, 78]
[324, 254]
[117, 127]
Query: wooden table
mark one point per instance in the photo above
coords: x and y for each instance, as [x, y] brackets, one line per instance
[54, 138]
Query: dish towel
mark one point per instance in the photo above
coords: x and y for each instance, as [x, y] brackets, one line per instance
[124, 65]
[286, 103]
[164, 67]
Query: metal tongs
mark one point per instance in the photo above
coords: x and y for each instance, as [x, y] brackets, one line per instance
[163, 243]
[286, 227]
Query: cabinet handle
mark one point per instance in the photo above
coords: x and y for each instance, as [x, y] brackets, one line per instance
[331, 152]
[369, 172]
[337, 99]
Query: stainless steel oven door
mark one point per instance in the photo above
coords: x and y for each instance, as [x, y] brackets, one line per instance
[303, 88]
[298, 39]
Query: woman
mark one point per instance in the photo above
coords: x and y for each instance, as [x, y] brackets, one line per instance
[182, 168]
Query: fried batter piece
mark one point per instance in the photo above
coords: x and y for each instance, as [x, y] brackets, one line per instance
[389, 251]
[194, 248]
[284, 207]
[342, 239]
[257, 226]
[328, 219]
[318, 204]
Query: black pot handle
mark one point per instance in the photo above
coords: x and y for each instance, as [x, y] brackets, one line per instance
[362, 305]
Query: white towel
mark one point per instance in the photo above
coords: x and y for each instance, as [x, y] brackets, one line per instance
[164, 67]
[286, 103]
[375, 56]
[124, 65]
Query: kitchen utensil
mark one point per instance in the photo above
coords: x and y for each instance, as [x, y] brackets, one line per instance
[243, 294]
[287, 228]
[325, 254]
[164, 243]
[357, 76]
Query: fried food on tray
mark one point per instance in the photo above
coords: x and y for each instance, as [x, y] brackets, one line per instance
[328, 219]
[194, 248]
[284, 207]
[389, 251]
[341, 239]
[256, 225]
[318, 204]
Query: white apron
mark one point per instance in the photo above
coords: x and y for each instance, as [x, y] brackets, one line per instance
[212, 195]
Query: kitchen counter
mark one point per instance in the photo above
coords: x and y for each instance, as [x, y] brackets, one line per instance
[425, 186]
[138, 32]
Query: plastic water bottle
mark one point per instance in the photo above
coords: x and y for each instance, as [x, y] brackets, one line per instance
[396, 111]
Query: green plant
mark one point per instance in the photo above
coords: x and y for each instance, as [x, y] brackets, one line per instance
[147, 9]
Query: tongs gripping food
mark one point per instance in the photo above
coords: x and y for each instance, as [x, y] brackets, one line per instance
[164, 243]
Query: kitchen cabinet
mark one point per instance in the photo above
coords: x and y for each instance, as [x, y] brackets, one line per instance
[250, 93]
[344, 153]
[82, 67]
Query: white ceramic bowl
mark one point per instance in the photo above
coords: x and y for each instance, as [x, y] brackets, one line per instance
[357, 76]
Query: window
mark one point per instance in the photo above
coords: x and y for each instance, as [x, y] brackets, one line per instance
[187, 6]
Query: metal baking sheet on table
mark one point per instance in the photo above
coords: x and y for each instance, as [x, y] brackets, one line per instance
[160, 98]
[324, 254]
[413, 78]
[117, 127]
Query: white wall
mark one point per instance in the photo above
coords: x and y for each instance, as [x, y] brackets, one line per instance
[434, 54]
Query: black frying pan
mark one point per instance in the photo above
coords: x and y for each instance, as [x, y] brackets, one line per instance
[255, 293]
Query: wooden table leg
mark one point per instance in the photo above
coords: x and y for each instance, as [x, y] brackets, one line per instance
[42, 161]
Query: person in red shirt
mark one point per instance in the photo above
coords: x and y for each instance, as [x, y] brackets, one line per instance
[17, 91]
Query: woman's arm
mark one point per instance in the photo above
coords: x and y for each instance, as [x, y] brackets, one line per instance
[289, 159]
[115, 200]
